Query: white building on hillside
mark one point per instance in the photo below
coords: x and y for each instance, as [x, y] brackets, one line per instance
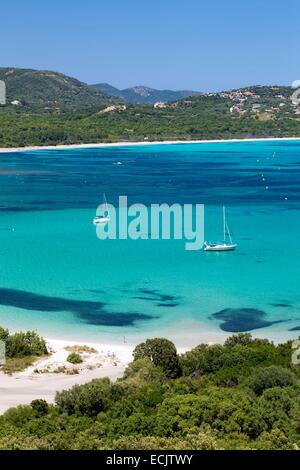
[160, 105]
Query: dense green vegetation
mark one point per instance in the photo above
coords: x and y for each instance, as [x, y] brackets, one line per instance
[21, 349]
[48, 108]
[240, 395]
[203, 118]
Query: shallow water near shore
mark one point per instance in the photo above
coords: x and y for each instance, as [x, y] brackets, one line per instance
[57, 277]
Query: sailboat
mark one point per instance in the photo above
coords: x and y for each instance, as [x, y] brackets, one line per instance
[227, 244]
[102, 219]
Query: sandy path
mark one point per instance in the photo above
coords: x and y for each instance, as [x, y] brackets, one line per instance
[20, 391]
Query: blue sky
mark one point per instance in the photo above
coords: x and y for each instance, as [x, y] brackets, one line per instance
[191, 44]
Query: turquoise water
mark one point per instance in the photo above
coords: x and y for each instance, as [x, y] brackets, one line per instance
[57, 277]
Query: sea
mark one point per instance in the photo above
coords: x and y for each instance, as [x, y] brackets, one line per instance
[59, 278]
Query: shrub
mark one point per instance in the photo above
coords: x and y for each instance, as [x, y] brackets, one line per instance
[81, 349]
[23, 442]
[74, 358]
[200, 441]
[17, 364]
[4, 334]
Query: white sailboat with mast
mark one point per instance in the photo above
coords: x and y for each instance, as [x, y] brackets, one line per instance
[227, 244]
[102, 219]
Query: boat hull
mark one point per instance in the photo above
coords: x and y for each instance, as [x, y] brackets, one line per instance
[101, 221]
[221, 247]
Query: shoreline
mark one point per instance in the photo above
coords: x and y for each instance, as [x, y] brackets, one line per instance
[140, 143]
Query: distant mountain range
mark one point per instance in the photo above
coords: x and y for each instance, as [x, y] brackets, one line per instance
[143, 94]
[50, 90]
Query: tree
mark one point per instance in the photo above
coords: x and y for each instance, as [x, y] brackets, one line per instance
[40, 406]
[25, 344]
[162, 353]
[240, 338]
[201, 360]
[269, 377]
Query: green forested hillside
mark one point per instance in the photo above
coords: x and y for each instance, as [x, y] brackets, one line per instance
[242, 395]
[54, 109]
[47, 90]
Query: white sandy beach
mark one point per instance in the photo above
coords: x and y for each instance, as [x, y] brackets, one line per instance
[145, 142]
[42, 379]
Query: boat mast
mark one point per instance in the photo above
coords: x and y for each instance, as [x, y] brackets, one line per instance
[224, 224]
[105, 202]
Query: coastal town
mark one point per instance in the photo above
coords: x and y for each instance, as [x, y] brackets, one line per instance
[261, 101]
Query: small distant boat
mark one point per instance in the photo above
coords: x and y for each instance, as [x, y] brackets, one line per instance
[227, 244]
[102, 219]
